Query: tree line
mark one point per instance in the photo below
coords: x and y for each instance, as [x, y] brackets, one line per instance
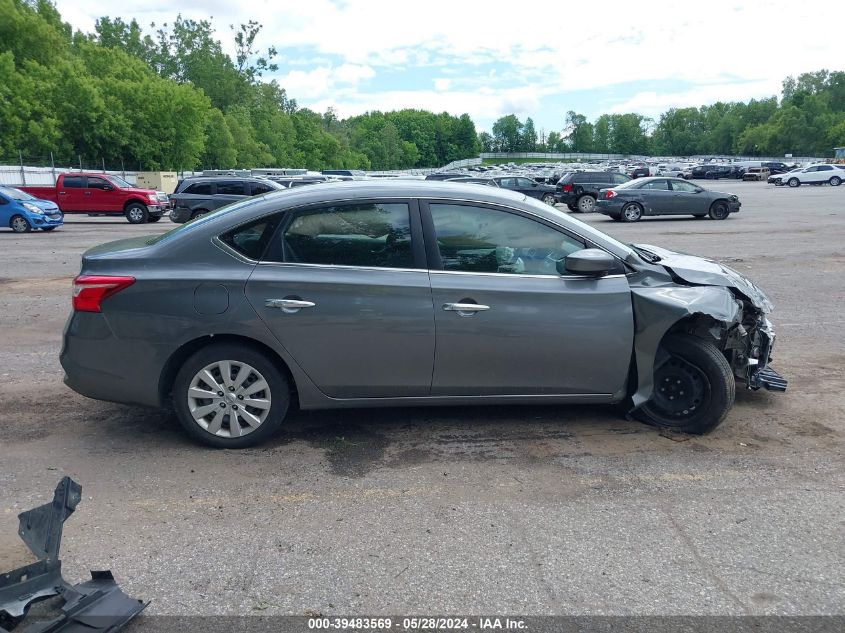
[174, 99]
[171, 98]
[808, 120]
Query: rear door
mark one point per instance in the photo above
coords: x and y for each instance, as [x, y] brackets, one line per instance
[71, 194]
[658, 198]
[227, 192]
[507, 323]
[344, 289]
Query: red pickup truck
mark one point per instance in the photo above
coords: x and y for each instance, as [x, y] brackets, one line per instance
[102, 194]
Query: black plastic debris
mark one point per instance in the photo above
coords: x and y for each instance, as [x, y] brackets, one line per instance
[95, 606]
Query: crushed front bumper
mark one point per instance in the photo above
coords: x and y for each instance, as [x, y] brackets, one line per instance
[769, 379]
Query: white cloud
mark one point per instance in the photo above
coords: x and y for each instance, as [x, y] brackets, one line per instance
[724, 51]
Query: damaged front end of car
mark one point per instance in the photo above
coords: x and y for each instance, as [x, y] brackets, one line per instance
[679, 293]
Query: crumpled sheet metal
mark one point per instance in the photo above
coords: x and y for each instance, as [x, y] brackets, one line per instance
[658, 308]
[97, 605]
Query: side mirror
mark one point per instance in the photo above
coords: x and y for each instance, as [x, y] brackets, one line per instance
[589, 261]
[108, 188]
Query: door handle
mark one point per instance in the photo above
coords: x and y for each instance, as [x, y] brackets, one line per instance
[289, 305]
[464, 307]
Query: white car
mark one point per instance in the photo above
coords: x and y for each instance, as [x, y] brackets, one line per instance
[814, 175]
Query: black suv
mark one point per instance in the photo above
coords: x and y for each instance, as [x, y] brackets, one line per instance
[579, 190]
[196, 196]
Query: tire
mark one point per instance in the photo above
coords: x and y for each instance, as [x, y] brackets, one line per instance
[154, 218]
[719, 210]
[793, 182]
[632, 212]
[835, 181]
[549, 199]
[699, 371]
[49, 228]
[709, 176]
[586, 204]
[247, 367]
[19, 224]
[136, 213]
[197, 213]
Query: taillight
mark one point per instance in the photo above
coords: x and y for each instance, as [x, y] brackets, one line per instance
[609, 194]
[89, 291]
[567, 188]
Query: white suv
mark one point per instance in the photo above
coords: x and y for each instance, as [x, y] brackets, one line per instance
[815, 175]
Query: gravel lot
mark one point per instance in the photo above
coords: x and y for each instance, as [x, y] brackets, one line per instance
[532, 510]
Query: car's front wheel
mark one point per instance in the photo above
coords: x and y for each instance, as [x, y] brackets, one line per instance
[230, 396]
[719, 210]
[136, 213]
[694, 386]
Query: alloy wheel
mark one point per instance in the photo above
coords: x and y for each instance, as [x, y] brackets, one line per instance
[632, 212]
[19, 224]
[229, 398]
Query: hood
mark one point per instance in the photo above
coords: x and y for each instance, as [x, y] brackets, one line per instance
[707, 272]
[140, 192]
[44, 205]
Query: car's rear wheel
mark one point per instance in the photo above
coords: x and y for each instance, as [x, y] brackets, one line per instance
[632, 212]
[793, 182]
[694, 387]
[136, 213]
[549, 199]
[19, 224]
[230, 396]
[586, 204]
[719, 210]
[197, 213]
[835, 181]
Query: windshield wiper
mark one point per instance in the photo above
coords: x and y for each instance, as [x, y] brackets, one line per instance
[651, 258]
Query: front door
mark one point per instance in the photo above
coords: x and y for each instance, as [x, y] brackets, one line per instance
[507, 323]
[688, 198]
[99, 195]
[344, 289]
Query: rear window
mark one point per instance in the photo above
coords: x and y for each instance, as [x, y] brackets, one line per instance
[259, 188]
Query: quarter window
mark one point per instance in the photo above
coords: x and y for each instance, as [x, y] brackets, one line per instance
[376, 235]
[199, 188]
[478, 239]
[251, 239]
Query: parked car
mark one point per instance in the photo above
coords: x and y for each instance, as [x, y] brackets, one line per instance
[385, 293]
[444, 175]
[579, 190]
[815, 175]
[777, 179]
[23, 212]
[475, 181]
[676, 172]
[641, 171]
[776, 167]
[756, 174]
[527, 187]
[103, 194]
[197, 196]
[631, 201]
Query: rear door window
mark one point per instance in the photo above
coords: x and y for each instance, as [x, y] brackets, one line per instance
[371, 235]
[74, 182]
[231, 188]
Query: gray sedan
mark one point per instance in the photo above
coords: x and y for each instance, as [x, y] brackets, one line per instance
[381, 293]
[631, 201]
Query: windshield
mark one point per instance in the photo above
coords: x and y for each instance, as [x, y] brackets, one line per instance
[120, 182]
[201, 220]
[16, 194]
